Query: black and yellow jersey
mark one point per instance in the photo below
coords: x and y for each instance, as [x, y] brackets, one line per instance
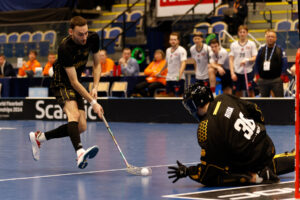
[232, 135]
[71, 54]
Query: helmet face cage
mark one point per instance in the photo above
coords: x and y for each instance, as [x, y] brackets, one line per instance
[190, 106]
[196, 96]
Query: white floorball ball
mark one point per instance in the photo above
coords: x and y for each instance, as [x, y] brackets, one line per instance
[145, 171]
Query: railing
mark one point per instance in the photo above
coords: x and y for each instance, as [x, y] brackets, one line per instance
[270, 19]
[123, 33]
[226, 33]
[255, 40]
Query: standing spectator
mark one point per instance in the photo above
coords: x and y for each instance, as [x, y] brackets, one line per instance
[153, 82]
[219, 66]
[129, 65]
[176, 57]
[30, 65]
[241, 60]
[6, 69]
[236, 15]
[107, 64]
[240, 10]
[49, 65]
[200, 54]
[270, 64]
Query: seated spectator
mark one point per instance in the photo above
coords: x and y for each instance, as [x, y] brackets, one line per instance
[6, 69]
[153, 82]
[30, 65]
[219, 66]
[129, 65]
[107, 64]
[49, 65]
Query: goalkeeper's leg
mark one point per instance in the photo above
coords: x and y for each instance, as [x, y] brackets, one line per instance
[283, 163]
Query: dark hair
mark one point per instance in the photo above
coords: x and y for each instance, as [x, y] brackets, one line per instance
[2, 55]
[77, 21]
[214, 41]
[198, 34]
[33, 51]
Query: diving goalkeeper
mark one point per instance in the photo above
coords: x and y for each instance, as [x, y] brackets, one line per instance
[235, 148]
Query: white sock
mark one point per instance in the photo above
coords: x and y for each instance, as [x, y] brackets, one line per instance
[41, 137]
[80, 151]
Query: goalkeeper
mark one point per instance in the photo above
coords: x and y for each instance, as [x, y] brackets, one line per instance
[236, 149]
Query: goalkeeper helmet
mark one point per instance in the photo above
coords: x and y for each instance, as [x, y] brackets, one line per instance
[196, 96]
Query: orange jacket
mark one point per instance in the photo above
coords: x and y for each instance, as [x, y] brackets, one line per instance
[29, 66]
[107, 66]
[153, 69]
[47, 68]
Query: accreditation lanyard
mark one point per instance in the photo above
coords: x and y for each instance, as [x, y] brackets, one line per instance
[268, 62]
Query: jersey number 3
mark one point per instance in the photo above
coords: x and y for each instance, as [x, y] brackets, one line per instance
[246, 125]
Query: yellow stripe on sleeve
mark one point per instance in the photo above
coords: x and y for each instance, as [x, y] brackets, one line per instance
[217, 108]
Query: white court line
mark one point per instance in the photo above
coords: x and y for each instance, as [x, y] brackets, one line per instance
[209, 191]
[78, 173]
[6, 128]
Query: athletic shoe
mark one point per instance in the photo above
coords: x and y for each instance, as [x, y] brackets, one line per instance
[268, 176]
[35, 145]
[88, 154]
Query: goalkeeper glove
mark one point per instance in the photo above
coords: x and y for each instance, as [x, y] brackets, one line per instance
[178, 172]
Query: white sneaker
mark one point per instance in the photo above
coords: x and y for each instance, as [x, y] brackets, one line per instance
[89, 153]
[35, 145]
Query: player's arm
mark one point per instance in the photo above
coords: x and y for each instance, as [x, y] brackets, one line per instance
[212, 175]
[162, 69]
[96, 74]
[182, 68]
[231, 67]
[217, 67]
[72, 75]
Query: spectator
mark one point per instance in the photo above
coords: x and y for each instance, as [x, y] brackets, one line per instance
[219, 66]
[237, 16]
[49, 65]
[129, 66]
[30, 65]
[200, 54]
[6, 69]
[241, 60]
[153, 82]
[270, 64]
[107, 64]
[176, 57]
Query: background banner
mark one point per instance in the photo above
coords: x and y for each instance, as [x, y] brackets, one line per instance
[168, 8]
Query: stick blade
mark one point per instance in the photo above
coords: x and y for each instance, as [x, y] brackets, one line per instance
[138, 170]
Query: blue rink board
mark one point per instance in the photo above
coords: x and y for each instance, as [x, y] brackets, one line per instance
[55, 175]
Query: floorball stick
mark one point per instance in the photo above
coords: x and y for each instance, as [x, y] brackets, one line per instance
[140, 171]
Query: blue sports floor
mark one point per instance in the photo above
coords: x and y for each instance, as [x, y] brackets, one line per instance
[55, 176]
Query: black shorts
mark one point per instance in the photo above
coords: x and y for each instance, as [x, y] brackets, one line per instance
[226, 81]
[176, 87]
[63, 94]
[240, 84]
